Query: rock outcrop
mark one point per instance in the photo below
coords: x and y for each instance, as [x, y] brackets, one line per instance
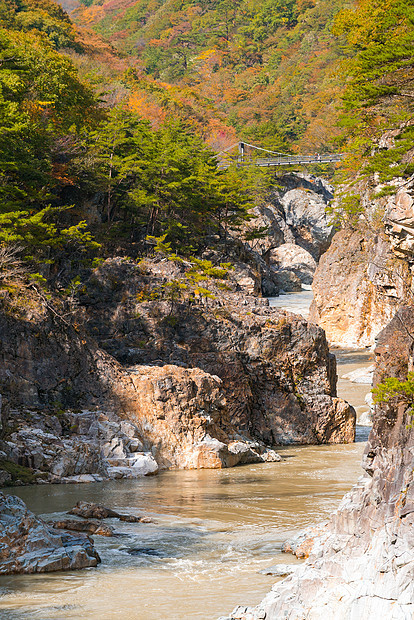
[74, 446]
[28, 545]
[358, 286]
[88, 527]
[366, 274]
[291, 257]
[138, 383]
[295, 215]
[361, 564]
[273, 368]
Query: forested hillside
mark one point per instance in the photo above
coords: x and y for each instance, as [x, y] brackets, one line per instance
[109, 128]
[81, 172]
[266, 69]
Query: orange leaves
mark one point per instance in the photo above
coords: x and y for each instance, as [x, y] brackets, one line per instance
[59, 174]
[218, 135]
[89, 15]
[146, 105]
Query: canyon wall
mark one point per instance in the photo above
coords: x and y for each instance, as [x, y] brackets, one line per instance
[366, 274]
[131, 386]
[362, 562]
[297, 227]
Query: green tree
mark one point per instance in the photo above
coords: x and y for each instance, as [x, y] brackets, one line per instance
[164, 181]
[396, 392]
[379, 94]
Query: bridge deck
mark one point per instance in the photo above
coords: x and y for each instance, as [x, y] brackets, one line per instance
[285, 160]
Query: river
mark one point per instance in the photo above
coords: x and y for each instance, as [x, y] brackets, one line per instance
[213, 531]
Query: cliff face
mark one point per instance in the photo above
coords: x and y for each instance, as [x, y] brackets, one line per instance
[298, 230]
[362, 561]
[365, 275]
[358, 286]
[207, 386]
[273, 366]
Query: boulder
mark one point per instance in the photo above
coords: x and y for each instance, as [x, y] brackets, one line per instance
[132, 467]
[294, 258]
[95, 443]
[305, 215]
[89, 510]
[288, 281]
[88, 527]
[29, 545]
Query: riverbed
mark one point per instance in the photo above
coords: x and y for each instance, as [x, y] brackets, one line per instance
[212, 532]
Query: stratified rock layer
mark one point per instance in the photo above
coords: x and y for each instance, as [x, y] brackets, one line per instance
[28, 545]
[362, 562]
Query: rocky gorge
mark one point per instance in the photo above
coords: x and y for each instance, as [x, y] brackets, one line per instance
[141, 378]
[361, 562]
[157, 197]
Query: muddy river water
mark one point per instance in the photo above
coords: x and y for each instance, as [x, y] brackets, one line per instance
[213, 531]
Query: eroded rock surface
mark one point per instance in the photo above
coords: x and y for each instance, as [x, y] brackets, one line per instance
[273, 369]
[295, 215]
[75, 447]
[361, 564]
[290, 256]
[358, 286]
[366, 274]
[193, 385]
[28, 545]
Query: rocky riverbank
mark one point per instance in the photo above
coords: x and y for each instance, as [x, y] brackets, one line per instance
[130, 375]
[29, 545]
[134, 384]
[361, 563]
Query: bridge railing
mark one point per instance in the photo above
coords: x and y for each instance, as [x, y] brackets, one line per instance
[286, 160]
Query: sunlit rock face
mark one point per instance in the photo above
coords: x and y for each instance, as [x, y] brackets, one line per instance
[361, 563]
[366, 274]
[358, 286]
[213, 384]
[295, 212]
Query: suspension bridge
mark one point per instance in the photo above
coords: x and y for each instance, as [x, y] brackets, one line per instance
[243, 158]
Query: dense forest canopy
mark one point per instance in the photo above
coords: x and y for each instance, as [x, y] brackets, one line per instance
[110, 127]
[266, 68]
